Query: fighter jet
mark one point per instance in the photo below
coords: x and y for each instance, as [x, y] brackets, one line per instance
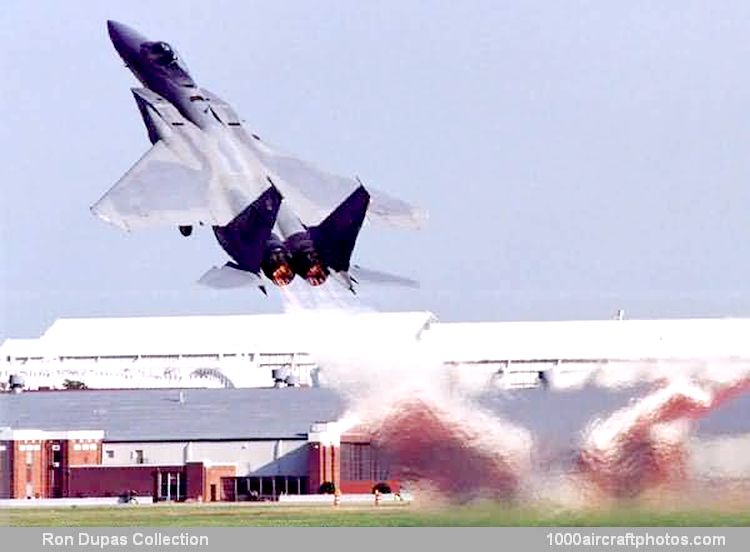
[271, 212]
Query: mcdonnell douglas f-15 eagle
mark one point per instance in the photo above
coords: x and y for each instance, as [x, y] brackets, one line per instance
[271, 212]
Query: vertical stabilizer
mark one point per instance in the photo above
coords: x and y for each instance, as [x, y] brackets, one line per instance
[244, 239]
[334, 238]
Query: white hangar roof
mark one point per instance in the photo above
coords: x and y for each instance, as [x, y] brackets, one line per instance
[591, 339]
[159, 335]
[724, 338]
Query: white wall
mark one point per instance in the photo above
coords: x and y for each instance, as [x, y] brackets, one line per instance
[273, 457]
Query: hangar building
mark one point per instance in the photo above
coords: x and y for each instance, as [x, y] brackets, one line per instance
[153, 421]
[198, 444]
[236, 351]
[182, 351]
[245, 444]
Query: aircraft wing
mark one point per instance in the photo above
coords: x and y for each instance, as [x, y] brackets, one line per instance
[177, 182]
[157, 190]
[313, 193]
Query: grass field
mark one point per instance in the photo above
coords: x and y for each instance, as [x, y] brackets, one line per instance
[275, 515]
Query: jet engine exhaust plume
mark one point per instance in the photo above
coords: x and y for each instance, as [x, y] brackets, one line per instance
[282, 275]
[277, 263]
[645, 444]
[305, 259]
[307, 299]
[316, 275]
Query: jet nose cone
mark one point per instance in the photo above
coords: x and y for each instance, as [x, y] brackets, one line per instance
[127, 41]
[112, 26]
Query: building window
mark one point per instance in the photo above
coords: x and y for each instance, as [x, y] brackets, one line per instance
[262, 487]
[139, 456]
[360, 462]
[110, 454]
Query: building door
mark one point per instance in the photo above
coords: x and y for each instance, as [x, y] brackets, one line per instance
[29, 474]
[171, 486]
[213, 492]
[55, 483]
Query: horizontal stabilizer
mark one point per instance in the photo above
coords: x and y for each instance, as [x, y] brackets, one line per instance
[230, 276]
[358, 275]
[361, 274]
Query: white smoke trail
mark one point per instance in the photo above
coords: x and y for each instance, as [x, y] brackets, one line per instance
[299, 297]
[401, 396]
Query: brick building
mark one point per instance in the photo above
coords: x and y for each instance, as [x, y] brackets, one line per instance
[254, 443]
[34, 463]
[199, 444]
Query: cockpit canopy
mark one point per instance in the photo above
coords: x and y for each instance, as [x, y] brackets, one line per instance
[160, 52]
[163, 55]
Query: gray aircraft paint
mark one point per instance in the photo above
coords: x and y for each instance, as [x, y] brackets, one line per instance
[205, 168]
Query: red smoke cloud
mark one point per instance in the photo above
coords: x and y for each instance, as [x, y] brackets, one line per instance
[425, 442]
[645, 444]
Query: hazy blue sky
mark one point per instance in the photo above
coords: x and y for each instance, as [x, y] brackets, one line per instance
[575, 157]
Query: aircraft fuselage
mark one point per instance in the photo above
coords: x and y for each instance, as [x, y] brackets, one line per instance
[158, 67]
